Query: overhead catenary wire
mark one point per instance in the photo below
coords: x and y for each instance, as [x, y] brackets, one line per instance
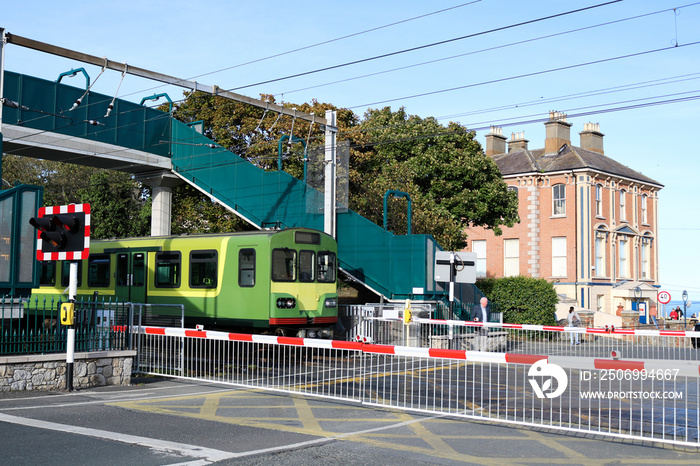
[330, 41]
[520, 42]
[490, 49]
[640, 16]
[421, 47]
[525, 75]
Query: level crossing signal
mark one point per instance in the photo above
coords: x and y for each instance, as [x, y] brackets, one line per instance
[63, 232]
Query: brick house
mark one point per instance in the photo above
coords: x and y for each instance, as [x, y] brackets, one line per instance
[587, 223]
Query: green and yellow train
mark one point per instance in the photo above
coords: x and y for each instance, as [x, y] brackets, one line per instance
[282, 281]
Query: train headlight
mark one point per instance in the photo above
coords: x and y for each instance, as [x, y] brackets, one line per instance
[286, 303]
[331, 302]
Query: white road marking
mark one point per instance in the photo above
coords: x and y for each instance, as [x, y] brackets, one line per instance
[208, 454]
[184, 449]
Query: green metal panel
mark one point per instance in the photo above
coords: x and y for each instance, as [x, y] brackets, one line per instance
[130, 125]
[18, 274]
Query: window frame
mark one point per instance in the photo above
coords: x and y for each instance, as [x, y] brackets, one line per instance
[312, 278]
[65, 273]
[558, 259]
[623, 205]
[99, 256]
[599, 250]
[295, 263]
[178, 270]
[559, 200]
[332, 267]
[44, 267]
[479, 247]
[214, 261]
[645, 214]
[510, 261]
[645, 259]
[623, 257]
[599, 200]
[241, 269]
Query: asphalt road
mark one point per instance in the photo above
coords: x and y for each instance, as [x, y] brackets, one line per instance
[165, 421]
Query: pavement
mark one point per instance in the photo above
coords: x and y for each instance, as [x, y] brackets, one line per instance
[159, 421]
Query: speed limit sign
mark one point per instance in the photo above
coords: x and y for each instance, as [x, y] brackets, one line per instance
[664, 297]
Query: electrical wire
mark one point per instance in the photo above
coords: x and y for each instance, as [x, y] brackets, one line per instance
[579, 95]
[525, 75]
[330, 41]
[306, 47]
[489, 49]
[425, 46]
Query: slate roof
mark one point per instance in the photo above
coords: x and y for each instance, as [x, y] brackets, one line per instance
[568, 158]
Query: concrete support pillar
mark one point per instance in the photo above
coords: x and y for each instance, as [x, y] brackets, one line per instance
[161, 207]
[161, 210]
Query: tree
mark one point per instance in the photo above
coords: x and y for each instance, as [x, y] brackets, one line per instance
[453, 184]
[120, 207]
[194, 213]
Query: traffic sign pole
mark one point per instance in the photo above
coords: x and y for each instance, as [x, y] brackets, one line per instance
[63, 233]
[70, 344]
[664, 297]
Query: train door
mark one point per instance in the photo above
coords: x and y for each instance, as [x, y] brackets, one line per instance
[131, 277]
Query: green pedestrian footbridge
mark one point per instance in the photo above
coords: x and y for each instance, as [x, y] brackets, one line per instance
[37, 121]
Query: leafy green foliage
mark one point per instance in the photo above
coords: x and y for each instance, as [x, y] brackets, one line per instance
[451, 182]
[194, 213]
[118, 206]
[523, 300]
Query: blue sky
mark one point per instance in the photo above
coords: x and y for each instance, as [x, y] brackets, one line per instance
[507, 77]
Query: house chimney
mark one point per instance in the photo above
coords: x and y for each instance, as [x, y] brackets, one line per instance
[517, 142]
[592, 138]
[495, 142]
[558, 133]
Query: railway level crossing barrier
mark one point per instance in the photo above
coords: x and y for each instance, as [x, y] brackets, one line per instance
[650, 399]
[528, 339]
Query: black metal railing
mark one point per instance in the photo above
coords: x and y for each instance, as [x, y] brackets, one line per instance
[33, 325]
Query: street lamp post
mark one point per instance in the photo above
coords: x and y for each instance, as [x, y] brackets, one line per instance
[637, 295]
[685, 308]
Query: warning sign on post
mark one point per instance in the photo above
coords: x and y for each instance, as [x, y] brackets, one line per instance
[464, 266]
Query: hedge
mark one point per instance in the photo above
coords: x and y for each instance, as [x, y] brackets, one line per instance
[523, 300]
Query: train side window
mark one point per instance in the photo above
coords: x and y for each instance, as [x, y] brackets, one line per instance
[139, 268]
[246, 267]
[168, 269]
[47, 275]
[65, 273]
[98, 270]
[326, 267]
[122, 269]
[284, 265]
[203, 269]
[306, 266]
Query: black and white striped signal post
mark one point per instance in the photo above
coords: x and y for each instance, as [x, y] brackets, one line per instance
[64, 234]
[455, 267]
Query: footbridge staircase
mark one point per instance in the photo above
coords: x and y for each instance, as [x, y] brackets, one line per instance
[36, 122]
